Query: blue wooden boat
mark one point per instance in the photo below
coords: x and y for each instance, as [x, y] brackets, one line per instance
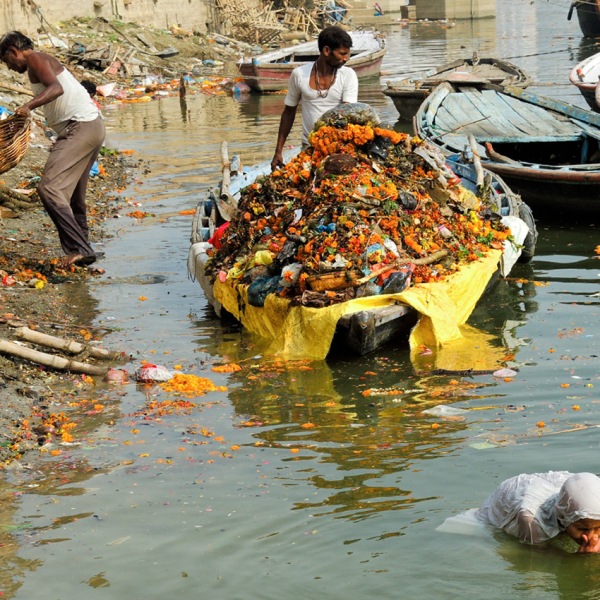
[545, 149]
[364, 331]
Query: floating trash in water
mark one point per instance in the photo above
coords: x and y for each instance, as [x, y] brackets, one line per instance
[504, 373]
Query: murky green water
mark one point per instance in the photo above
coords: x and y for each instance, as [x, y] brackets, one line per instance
[292, 484]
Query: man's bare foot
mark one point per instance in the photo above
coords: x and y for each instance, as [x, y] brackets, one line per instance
[69, 260]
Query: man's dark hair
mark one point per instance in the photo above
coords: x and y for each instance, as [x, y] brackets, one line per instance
[16, 39]
[90, 87]
[334, 37]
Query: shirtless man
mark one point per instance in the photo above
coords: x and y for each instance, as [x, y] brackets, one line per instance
[320, 86]
[70, 111]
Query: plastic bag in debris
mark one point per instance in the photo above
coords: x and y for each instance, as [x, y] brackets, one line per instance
[368, 289]
[379, 148]
[357, 113]
[391, 246]
[260, 288]
[290, 274]
[399, 281]
[240, 88]
[150, 373]
[95, 169]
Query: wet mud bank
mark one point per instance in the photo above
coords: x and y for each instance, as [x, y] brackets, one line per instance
[37, 293]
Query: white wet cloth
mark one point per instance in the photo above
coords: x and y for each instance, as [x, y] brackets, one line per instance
[534, 507]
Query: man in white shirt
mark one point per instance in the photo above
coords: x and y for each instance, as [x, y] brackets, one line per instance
[320, 86]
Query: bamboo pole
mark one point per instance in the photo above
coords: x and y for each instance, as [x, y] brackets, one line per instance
[476, 160]
[71, 346]
[50, 360]
[17, 88]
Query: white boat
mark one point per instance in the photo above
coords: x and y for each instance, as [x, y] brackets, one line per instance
[585, 77]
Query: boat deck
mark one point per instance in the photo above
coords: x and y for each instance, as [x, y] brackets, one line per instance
[497, 118]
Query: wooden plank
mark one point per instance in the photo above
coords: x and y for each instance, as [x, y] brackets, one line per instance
[538, 117]
[435, 102]
[445, 120]
[497, 117]
[459, 105]
[492, 97]
[580, 114]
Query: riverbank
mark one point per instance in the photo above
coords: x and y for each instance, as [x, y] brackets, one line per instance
[58, 304]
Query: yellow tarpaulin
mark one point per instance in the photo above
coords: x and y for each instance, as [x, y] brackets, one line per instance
[306, 333]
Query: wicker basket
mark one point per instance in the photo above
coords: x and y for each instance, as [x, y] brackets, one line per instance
[14, 140]
[332, 281]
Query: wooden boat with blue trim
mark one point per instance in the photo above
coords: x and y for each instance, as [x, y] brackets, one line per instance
[545, 149]
[364, 331]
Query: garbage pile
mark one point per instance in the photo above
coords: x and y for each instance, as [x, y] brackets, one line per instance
[363, 211]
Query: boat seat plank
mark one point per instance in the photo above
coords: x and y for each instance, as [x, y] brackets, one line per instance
[463, 109]
[496, 117]
[495, 99]
[542, 119]
[539, 117]
[446, 120]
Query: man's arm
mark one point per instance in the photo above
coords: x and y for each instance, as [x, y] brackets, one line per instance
[285, 126]
[350, 90]
[40, 68]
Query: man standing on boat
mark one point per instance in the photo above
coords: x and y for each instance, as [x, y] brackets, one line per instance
[69, 110]
[320, 86]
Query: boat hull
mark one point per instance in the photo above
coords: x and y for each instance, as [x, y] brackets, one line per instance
[562, 187]
[551, 191]
[274, 77]
[588, 15]
[410, 94]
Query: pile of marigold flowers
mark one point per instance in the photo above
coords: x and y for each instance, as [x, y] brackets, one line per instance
[191, 385]
[360, 198]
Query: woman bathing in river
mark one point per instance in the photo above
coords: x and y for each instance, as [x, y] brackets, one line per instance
[537, 508]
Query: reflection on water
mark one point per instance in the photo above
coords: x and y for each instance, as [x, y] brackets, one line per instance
[308, 479]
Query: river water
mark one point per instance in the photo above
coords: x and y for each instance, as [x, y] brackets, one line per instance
[292, 484]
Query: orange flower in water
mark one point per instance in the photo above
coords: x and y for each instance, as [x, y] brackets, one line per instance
[294, 450]
[191, 385]
[230, 368]
[541, 424]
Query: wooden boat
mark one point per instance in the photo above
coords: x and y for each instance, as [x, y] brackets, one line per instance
[585, 77]
[364, 331]
[270, 72]
[409, 94]
[545, 149]
[588, 14]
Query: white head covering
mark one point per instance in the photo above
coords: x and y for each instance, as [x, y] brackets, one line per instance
[579, 498]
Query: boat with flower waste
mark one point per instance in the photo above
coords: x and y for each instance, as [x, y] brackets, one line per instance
[356, 238]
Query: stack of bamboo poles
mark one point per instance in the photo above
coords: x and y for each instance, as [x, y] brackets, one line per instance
[69, 347]
[249, 23]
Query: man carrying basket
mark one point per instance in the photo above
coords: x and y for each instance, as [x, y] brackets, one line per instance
[72, 114]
